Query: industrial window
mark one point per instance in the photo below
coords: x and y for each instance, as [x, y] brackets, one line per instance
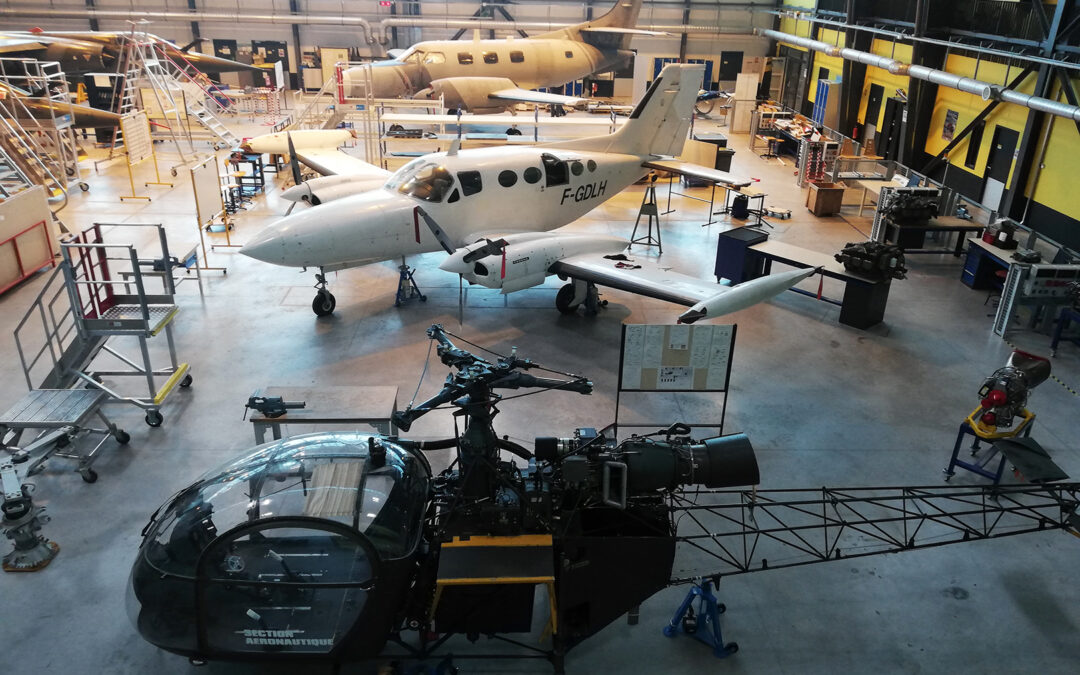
[569, 54]
[517, 57]
[532, 175]
[470, 182]
[555, 169]
[491, 57]
[464, 58]
[974, 144]
[432, 58]
[592, 165]
[576, 168]
[507, 178]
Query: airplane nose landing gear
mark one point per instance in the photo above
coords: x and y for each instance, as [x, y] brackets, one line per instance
[324, 302]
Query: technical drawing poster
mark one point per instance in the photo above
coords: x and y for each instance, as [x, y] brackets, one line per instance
[676, 358]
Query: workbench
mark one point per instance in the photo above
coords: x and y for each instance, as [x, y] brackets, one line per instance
[871, 187]
[1067, 315]
[864, 300]
[326, 405]
[912, 238]
[982, 264]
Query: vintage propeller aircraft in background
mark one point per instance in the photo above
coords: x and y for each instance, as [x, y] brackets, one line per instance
[492, 210]
[492, 75]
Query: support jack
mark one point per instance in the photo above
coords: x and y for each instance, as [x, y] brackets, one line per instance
[22, 523]
[705, 625]
[651, 212]
[407, 288]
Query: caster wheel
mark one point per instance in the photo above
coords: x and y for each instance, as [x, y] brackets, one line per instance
[603, 303]
[670, 630]
[513, 132]
[85, 187]
[186, 382]
[423, 298]
[324, 303]
[154, 418]
[721, 607]
[89, 476]
[396, 127]
[173, 172]
[196, 662]
[564, 298]
[732, 648]
[122, 437]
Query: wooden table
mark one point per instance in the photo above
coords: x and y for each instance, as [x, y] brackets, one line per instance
[339, 405]
[869, 187]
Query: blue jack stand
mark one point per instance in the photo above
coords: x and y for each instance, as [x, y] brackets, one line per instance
[705, 626]
[407, 288]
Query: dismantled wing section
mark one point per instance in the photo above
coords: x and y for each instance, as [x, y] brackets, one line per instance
[527, 96]
[705, 298]
[334, 162]
[684, 168]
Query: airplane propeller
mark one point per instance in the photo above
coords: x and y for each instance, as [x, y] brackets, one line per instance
[294, 164]
[440, 234]
[490, 248]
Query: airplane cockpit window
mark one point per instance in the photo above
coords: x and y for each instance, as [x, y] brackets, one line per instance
[517, 57]
[491, 57]
[408, 55]
[434, 58]
[556, 170]
[454, 197]
[464, 58]
[426, 180]
[471, 182]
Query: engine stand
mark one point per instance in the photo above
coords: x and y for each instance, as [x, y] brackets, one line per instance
[980, 432]
[407, 288]
[705, 626]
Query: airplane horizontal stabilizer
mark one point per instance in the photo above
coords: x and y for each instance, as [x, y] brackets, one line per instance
[528, 96]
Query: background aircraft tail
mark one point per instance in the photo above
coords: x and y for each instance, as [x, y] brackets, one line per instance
[623, 15]
[661, 119]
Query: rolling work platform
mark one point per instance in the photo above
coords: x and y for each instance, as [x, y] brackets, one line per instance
[96, 297]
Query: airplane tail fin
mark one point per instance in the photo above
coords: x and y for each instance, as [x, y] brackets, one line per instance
[623, 16]
[661, 119]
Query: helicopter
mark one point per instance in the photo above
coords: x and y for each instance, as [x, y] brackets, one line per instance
[347, 546]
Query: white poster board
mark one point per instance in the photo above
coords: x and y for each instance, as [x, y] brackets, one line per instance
[137, 142]
[676, 357]
[206, 182]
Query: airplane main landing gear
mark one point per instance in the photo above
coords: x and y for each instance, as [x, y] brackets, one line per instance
[577, 293]
[324, 302]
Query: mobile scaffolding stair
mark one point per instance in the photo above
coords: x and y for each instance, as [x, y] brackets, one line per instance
[96, 296]
[24, 162]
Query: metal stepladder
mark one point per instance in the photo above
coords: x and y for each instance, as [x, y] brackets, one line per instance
[105, 307]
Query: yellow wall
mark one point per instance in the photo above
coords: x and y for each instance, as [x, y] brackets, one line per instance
[835, 64]
[970, 105]
[889, 82]
[1057, 185]
[795, 26]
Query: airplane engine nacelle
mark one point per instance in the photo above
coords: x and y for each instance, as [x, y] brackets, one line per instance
[328, 188]
[519, 266]
[471, 93]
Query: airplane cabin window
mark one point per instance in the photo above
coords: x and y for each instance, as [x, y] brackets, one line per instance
[507, 178]
[471, 182]
[517, 57]
[491, 57]
[592, 165]
[429, 182]
[433, 58]
[532, 175]
[576, 168]
[556, 170]
[464, 58]
[569, 55]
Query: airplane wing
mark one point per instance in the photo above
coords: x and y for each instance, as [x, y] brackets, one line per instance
[684, 168]
[9, 45]
[527, 96]
[333, 162]
[644, 277]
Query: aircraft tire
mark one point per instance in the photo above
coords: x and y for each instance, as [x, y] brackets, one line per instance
[324, 303]
[564, 298]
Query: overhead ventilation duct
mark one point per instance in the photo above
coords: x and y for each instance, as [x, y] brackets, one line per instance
[985, 90]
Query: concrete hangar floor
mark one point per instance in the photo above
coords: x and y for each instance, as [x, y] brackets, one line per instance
[823, 404]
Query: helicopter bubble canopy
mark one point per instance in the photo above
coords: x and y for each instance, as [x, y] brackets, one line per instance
[292, 545]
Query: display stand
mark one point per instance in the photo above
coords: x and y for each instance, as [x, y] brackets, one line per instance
[675, 359]
[138, 147]
[206, 183]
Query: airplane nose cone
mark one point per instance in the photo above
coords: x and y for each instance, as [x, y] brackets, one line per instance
[267, 246]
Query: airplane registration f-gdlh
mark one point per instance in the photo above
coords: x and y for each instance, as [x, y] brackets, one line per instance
[492, 210]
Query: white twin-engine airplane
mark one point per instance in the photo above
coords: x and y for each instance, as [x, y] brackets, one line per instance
[493, 209]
